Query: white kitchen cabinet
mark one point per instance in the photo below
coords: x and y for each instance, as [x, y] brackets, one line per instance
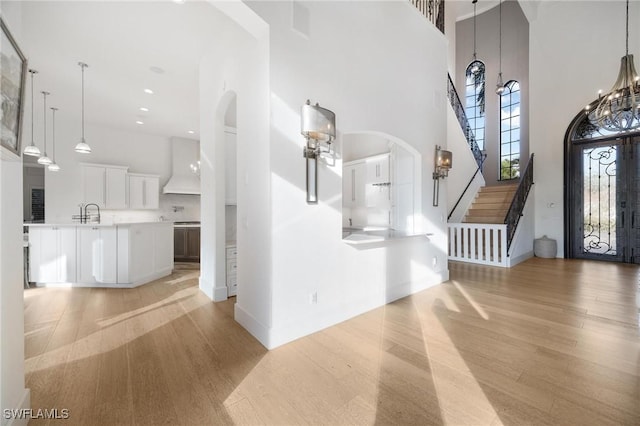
[105, 185]
[353, 184]
[378, 183]
[144, 191]
[230, 171]
[97, 255]
[232, 270]
[378, 169]
[145, 252]
[52, 252]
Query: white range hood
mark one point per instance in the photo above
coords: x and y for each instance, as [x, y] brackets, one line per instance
[184, 152]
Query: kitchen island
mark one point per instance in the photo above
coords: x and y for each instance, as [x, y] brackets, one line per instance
[99, 255]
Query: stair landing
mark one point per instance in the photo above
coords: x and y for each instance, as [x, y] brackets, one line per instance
[491, 204]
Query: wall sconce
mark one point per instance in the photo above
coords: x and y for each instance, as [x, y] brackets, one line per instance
[443, 161]
[318, 126]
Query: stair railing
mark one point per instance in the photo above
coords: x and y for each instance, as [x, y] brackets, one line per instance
[465, 191]
[458, 108]
[519, 200]
[433, 10]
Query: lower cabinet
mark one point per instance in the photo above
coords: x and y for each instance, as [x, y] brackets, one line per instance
[97, 254]
[145, 252]
[52, 254]
[186, 244]
[232, 270]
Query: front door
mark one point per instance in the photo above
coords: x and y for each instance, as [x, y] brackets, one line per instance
[604, 200]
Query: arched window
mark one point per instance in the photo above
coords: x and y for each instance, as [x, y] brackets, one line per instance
[510, 131]
[474, 100]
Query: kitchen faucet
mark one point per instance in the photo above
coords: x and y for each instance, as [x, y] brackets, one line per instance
[86, 217]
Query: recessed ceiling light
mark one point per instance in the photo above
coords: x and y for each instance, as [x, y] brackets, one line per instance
[139, 122]
[157, 70]
[145, 109]
[190, 132]
[179, 1]
[148, 91]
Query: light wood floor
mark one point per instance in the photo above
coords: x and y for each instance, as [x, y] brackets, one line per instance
[547, 342]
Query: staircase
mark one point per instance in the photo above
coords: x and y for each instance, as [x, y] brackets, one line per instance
[491, 204]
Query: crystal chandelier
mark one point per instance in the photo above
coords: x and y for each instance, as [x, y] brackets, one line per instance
[619, 110]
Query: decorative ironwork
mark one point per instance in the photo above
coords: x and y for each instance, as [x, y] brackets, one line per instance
[458, 108]
[519, 200]
[587, 129]
[599, 186]
[433, 10]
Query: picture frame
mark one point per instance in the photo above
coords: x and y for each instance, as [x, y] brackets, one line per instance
[13, 74]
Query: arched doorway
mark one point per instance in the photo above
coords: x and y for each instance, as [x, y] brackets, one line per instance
[602, 193]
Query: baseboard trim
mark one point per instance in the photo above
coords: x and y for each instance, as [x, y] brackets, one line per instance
[206, 288]
[25, 404]
[513, 261]
[253, 326]
[220, 294]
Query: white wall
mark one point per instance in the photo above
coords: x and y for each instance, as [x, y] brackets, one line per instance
[379, 66]
[566, 71]
[13, 394]
[464, 166]
[143, 153]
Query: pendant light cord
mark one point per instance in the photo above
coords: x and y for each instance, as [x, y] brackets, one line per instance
[32, 73]
[627, 31]
[53, 129]
[44, 95]
[82, 66]
[500, 42]
[474, 29]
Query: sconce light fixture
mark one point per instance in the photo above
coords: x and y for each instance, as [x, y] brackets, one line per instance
[443, 162]
[318, 126]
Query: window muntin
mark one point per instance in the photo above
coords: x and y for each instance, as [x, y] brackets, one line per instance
[510, 131]
[475, 101]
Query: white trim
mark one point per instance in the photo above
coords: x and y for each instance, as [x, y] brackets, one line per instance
[253, 326]
[513, 261]
[220, 294]
[206, 288]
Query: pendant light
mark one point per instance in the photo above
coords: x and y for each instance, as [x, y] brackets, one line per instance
[53, 167]
[45, 160]
[475, 68]
[619, 110]
[82, 147]
[500, 83]
[32, 149]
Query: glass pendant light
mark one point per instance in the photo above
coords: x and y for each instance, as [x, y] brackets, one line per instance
[500, 83]
[53, 167]
[45, 160]
[82, 147]
[32, 149]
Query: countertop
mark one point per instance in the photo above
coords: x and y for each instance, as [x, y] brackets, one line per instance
[93, 225]
[186, 224]
[365, 236]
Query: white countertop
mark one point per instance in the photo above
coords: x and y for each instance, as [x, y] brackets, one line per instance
[364, 236]
[93, 225]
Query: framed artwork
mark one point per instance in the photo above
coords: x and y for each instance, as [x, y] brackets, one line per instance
[13, 71]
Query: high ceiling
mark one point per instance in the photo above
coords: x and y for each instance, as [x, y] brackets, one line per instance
[129, 47]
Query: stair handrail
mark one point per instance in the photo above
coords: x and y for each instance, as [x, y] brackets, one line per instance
[519, 200]
[458, 108]
[465, 189]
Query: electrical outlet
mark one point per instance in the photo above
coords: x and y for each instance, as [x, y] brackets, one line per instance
[313, 298]
[434, 261]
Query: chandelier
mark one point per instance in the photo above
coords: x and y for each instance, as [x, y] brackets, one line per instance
[619, 110]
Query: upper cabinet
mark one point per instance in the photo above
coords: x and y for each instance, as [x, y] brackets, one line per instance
[105, 185]
[378, 169]
[144, 191]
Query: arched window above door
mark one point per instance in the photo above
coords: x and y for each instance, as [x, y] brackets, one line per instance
[475, 101]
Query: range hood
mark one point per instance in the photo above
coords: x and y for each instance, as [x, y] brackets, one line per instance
[184, 152]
